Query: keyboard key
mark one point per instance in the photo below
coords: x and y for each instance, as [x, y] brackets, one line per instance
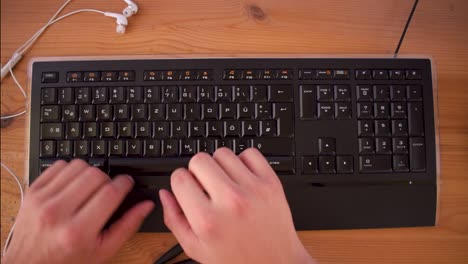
[73, 130]
[188, 147]
[124, 130]
[225, 143]
[414, 93]
[232, 128]
[109, 76]
[205, 75]
[325, 111]
[280, 93]
[174, 111]
[152, 94]
[274, 146]
[397, 75]
[241, 93]
[413, 75]
[152, 148]
[342, 93]
[74, 76]
[417, 154]
[157, 112]
[188, 94]
[142, 129]
[268, 128]
[398, 92]
[366, 145]
[66, 96]
[415, 119]
[126, 76]
[134, 148]
[306, 74]
[383, 145]
[197, 129]
[107, 129]
[246, 110]
[250, 128]
[152, 75]
[118, 95]
[341, 74]
[365, 110]
[100, 95]
[264, 111]
[82, 95]
[381, 93]
[138, 112]
[267, 75]
[45, 164]
[223, 93]
[48, 96]
[241, 144]
[399, 128]
[400, 145]
[51, 131]
[121, 112]
[215, 129]
[324, 93]
[81, 148]
[70, 113]
[104, 112]
[284, 74]
[344, 164]
[206, 93]
[92, 76]
[249, 75]
[99, 163]
[323, 74]
[365, 128]
[64, 148]
[210, 111]
[375, 164]
[308, 103]
[382, 128]
[398, 110]
[364, 92]
[116, 148]
[282, 165]
[161, 130]
[326, 164]
[380, 74]
[50, 113]
[192, 112]
[170, 94]
[342, 111]
[90, 130]
[87, 113]
[309, 165]
[381, 110]
[207, 145]
[47, 149]
[146, 166]
[98, 148]
[285, 114]
[170, 148]
[134, 95]
[232, 74]
[50, 77]
[327, 146]
[179, 129]
[400, 163]
[259, 93]
[228, 111]
[363, 74]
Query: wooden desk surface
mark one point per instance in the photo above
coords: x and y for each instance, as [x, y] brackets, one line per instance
[270, 26]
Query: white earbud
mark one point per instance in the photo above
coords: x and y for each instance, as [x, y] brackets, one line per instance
[131, 8]
[122, 21]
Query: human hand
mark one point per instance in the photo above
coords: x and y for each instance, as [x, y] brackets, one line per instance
[229, 209]
[64, 212]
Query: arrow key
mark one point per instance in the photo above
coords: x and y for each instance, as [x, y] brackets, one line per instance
[344, 164]
[327, 164]
[309, 165]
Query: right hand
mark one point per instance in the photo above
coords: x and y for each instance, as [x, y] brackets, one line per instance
[229, 209]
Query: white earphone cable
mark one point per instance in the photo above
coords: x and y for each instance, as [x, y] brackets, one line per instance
[7, 242]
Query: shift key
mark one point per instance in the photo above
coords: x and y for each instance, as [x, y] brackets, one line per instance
[274, 146]
[417, 154]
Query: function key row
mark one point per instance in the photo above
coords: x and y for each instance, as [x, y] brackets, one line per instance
[255, 74]
[167, 94]
[323, 74]
[176, 75]
[100, 76]
[366, 74]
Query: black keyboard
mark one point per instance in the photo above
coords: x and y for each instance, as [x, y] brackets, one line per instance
[352, 140]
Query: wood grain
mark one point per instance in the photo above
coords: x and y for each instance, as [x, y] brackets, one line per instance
[270, 26]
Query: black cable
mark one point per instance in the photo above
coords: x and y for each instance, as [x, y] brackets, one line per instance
[170, 254]
[406, 28]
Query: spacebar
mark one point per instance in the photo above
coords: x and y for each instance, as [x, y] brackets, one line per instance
[146, 166]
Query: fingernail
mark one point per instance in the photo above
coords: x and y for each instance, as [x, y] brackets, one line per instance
[131, 178]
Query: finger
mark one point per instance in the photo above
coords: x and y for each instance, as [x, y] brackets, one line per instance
[48, 175]
[176, 221]
[119, 232]
[254, 160]
[97, 211]
[233, 166]
[81, 190]
[210, 175]
[189, 195]
[63, 178]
